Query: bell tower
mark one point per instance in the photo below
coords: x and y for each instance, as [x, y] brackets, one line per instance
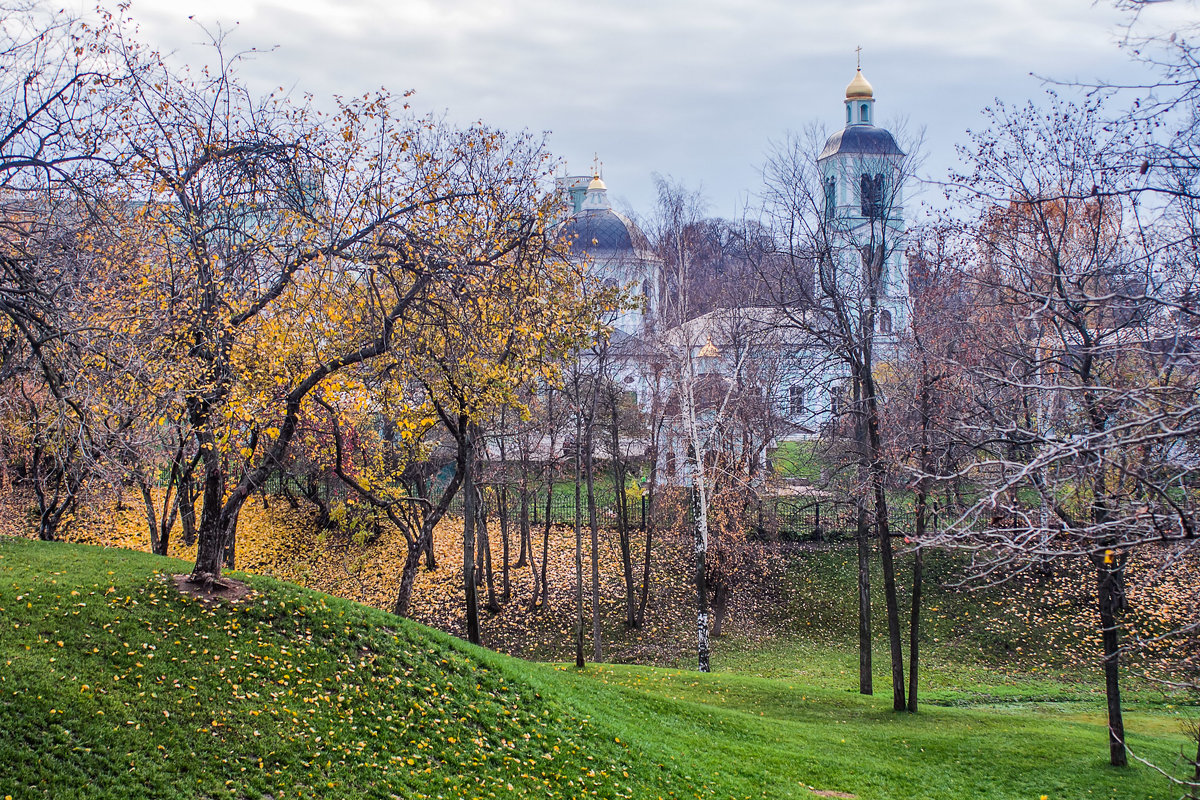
[862, 171]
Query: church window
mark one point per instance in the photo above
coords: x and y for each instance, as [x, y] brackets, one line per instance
[796, 400]
[830, 196]
[885, 322]
[848, 112]
[864, 112]
[870, 189]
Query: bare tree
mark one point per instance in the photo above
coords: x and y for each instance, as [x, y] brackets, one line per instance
[1086, 394]
[59, 84]
[929, 391]
[838, 280]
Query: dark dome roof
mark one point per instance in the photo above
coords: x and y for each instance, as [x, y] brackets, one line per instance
[603, 229]
[864, 139]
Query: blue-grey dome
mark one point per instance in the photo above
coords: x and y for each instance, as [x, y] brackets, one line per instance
[603, 229]
[861, 139]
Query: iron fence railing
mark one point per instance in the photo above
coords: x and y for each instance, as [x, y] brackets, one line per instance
[768, 517]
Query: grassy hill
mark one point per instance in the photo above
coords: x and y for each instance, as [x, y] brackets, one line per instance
[116, 686]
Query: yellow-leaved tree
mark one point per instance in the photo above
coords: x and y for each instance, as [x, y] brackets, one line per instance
[294, 249]
[481, 343]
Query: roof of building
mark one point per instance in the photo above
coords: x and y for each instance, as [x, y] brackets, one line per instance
[721, 328]
[861, 139]
[595, 229]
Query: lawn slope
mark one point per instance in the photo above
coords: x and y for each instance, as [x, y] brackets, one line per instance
[115, 686]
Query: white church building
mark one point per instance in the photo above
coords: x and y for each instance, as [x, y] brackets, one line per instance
[862, 172]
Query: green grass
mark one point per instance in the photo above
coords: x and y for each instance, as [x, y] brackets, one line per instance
[798, 460]
[1033, 624]
[114, 686]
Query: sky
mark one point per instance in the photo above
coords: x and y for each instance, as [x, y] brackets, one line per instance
[697, 90]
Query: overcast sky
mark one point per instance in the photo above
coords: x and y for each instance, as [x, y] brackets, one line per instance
[694, 89]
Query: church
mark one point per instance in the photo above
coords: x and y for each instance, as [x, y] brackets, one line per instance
[801, 390]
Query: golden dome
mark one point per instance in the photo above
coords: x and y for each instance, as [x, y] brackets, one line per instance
[596, 184]
[709, 350]
[859, 88]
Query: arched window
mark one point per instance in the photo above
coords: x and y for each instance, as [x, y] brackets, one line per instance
[864, 112]
[870, 191]
[848, 120]
[885, 322]
[830, 196]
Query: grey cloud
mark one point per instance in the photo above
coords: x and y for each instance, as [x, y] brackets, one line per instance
[693, 88]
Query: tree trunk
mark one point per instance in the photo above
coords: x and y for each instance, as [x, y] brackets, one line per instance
[51, 509]
[533, 567]
[623, 519]
[578, 544]
[486, 539]
[231, 538]
[885, 542]
[210, 551]
[430, 558]
[424, 539]
[915, 620]
[862, 531]
[470, 501]
[593, 524]
[648, 508]
[502, 510]
[645, 598]
[866, 681]
[151, 517]
[187, 510]
[1108, 594]
[701, 545]
[408, 575]
[890, 597]
[720, 609]
[526, 544]
[480, 539]
[546, 544]
[919, 524]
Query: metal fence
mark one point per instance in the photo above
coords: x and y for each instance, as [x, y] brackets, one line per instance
[793, 520]
[771, 518]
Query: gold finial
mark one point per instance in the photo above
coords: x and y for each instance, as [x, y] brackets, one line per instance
[858, 56]
[596, 182]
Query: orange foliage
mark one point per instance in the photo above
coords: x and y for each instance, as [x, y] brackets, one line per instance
[284, 543]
